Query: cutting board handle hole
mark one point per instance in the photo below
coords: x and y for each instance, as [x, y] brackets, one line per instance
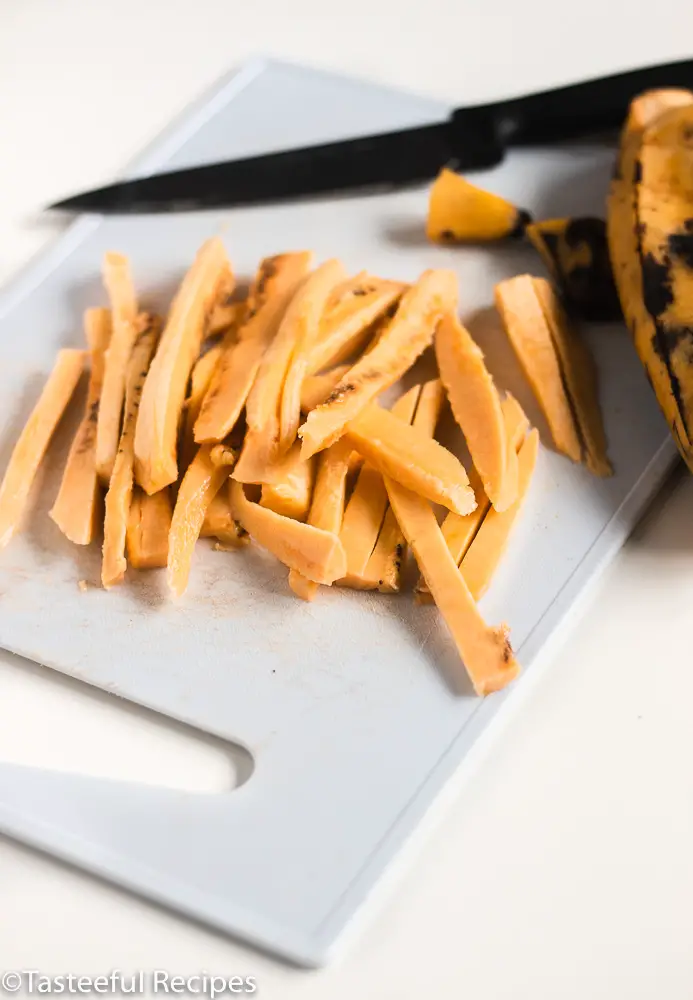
[74, 728]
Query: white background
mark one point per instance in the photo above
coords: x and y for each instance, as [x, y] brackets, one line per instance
[563, 869]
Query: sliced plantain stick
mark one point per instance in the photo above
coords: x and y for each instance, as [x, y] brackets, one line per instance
[316, 554]
[77, 502]
[316, 388]
[347, 327]
[149, 524]
[261, 446]
[274, 286]
[365, 511]
[156, 435]
[474, 401]
[200, 485]
[459, 532]
[412, 458]
[327, 508]
[531, 339]
[223, 453]
[384, 568]
[580, 377]
[515, 426]
[317, 291]
[202, 374]
[354, 286]
[403, 340]
[34, 440]
[290, 489]
[486, 652]
[121, 292]
[225, 316]
[485, 552]
[219, 522]
[119, 495]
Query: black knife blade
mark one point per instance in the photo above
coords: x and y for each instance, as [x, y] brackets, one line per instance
[473, 138]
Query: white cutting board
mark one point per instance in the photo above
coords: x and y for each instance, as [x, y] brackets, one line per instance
[342, 703]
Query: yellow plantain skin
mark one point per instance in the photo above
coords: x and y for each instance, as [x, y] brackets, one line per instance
[624, 237]
[576, 254]
[460, 212]
[665, 219]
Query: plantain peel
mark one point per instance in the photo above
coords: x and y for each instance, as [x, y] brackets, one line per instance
[460, 212]
[576, 254]
[650, 206]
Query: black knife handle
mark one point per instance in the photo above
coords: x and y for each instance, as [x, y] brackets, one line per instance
[566, 113]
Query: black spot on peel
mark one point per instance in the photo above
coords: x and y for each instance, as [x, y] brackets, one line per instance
[664, 342]
[522, 221]
[588, 289]
[681, 247]
[656, 285]
[637, 172]
[399, 549]
[657, 297]
[585, 229]
[448, 236]
[670, 339]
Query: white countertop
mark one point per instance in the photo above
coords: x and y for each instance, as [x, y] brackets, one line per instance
[563, 869]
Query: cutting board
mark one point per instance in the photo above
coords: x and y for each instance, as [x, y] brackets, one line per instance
[344, 704]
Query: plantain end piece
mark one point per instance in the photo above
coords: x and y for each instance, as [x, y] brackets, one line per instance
[576, 253]
[460, 212]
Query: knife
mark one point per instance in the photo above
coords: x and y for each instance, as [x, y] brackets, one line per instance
[473, 138]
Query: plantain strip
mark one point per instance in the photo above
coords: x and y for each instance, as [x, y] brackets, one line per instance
[459, 532]
[485, 552]
[327, 508]
[119, 495]
[121, 292]
[289, 491]
[149, 525]
[486, 652]
[273, 288]
[412, 458]
[317, 291]
[313, 552]
[350, 323]
[34, 440]
[76, 505]
[530, 337]
[384, 567]
[403, 340]
[475, 404]
[364, 514]
[164, 390]
[200, 485]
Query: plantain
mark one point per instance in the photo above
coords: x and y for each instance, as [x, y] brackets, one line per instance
[649, 205]
[460, 212]
[576, 254]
